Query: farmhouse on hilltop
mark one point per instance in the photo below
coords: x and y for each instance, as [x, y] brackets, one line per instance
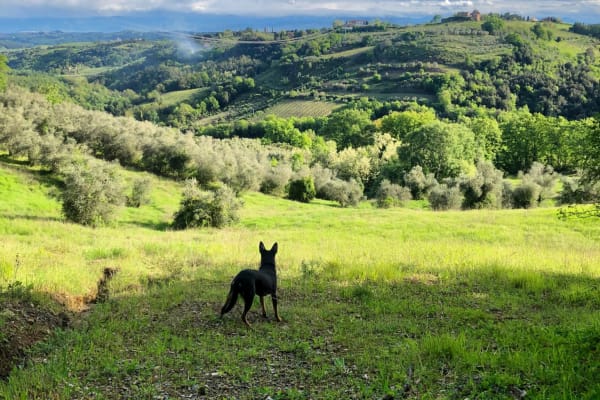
[475, 15]
[355, 23]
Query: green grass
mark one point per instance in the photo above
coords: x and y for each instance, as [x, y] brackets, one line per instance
[402, 302]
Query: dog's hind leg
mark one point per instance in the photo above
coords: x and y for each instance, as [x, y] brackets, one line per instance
[262, 305]
[248, 299]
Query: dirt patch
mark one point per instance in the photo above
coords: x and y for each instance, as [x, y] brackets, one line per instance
[22, 324]
[25, 322]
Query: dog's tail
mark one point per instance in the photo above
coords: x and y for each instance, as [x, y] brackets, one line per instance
[231, 299]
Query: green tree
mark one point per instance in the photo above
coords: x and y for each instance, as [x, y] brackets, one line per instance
[441, 148]
[92, 192]
[525, 139]
[281, 130]
[591, 154]
[488, 137]
[182, 116]
[542, 32]
[400, 124]
[350, 128]
[493, 24]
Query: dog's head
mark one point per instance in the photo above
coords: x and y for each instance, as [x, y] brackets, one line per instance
[267, 257]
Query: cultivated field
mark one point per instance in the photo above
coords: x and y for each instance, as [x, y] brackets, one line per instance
[301, 108]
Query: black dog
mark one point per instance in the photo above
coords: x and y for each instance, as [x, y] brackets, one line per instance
[250, 282]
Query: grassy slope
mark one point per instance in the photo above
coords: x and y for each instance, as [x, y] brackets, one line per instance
[449, 41]
[405, 302]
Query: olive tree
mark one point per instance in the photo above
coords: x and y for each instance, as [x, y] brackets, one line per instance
[92, 191]
[206, 208]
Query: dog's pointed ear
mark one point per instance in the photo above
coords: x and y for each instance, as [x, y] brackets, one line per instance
[274, 248]
[261, 247]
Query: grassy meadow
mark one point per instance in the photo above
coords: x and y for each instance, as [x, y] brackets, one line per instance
[395, 303]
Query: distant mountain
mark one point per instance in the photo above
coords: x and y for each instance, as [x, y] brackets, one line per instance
[171, 21]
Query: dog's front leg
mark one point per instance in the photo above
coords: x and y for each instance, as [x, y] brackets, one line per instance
[262, 305]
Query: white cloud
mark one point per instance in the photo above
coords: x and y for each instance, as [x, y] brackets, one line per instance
[291, 7]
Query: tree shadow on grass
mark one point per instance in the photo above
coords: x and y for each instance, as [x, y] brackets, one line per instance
[156, 226]
[32, 218]
[42, 176]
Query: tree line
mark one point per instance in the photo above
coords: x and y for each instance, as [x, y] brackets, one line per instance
[408, 154]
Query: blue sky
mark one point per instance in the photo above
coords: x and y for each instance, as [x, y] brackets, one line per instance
[80, 8]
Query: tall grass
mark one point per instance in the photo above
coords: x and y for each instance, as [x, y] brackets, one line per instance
[364, 243]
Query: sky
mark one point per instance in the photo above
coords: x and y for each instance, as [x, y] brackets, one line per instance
[274, 8]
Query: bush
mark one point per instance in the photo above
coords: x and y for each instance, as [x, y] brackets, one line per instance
[140, 193]
[544, 176]
[444, 197]
[418, 183]
[92, 192]
[213, 208]
[321, 176]
[275, 179]
[577, 192]
[484, 190]
[391, 195]
[507, 195]
[302, 189]
[346, 193]
[526, 195]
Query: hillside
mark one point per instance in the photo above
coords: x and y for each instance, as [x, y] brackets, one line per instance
[445, 65]
[494, 303]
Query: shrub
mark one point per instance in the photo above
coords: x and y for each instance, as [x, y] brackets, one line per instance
[321, 176]
[92, 192]
[444, 197]
[418, 183]
[544, 176]
[526, 195]
[507, 195]
[577, 192]
[275, 179]
[302, 189]
[346, 193]
[537, 185]
[391, 195]
[140, 193]
[329, 187]
[213, 208]
[484, 190]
